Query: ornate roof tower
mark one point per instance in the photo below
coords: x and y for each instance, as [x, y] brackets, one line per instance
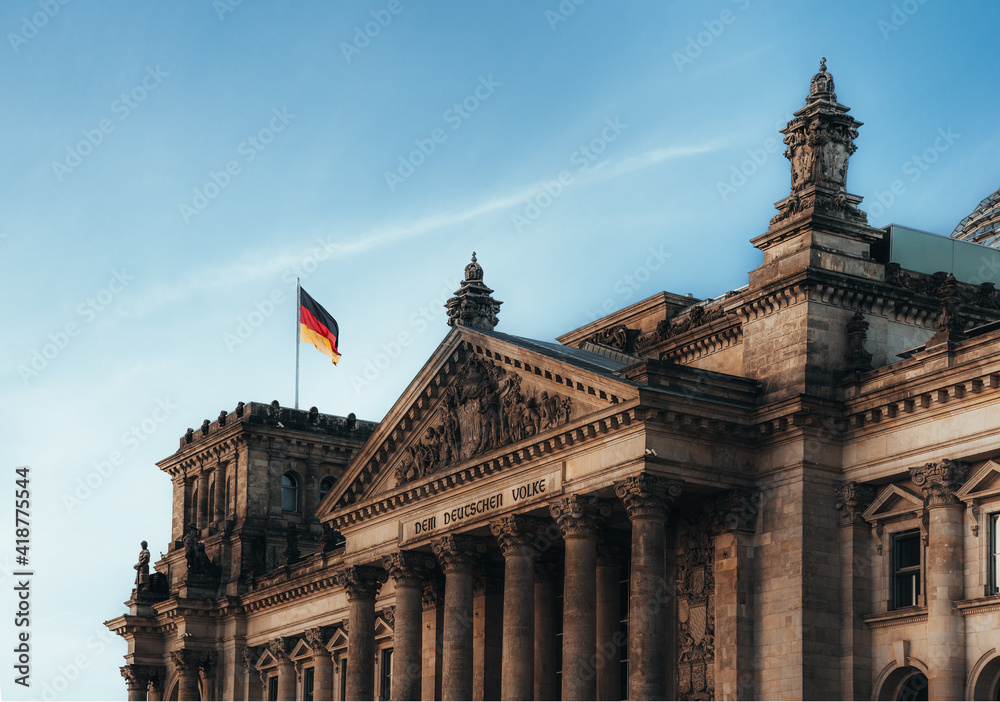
[473, 304]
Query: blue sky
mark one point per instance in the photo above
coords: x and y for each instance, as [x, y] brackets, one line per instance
[167, 168]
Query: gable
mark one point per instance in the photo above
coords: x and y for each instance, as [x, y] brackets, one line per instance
[982, 484]
[892, 501]
[479, 394]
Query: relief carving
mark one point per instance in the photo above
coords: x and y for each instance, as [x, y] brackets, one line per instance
[696, 612]
[484, 409]
[666, 328]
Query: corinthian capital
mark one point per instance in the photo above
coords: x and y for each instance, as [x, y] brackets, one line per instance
[940, 481]
[853, 499]
[457, 552]
[408, 567]
[646, 495]
[517, 534]
[579, 516]
[361, 582]
[735, 510]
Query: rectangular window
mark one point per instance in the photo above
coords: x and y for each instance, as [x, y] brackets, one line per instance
[994, 575]
[386, 670]
[906, 569]
[343, 678]
[272, 688]
[307, 684]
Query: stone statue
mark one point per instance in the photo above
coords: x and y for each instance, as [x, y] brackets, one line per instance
[142, 568]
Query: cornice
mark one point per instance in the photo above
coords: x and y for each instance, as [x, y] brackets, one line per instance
[979, 605]
[898, 617]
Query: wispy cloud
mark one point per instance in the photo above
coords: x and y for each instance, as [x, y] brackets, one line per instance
[258, 266]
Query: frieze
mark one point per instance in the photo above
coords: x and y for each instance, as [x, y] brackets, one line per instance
[667, 328]
[620, 337]
[486, 408]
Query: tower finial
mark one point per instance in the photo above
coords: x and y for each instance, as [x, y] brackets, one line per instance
[473, 304]
[822, 65]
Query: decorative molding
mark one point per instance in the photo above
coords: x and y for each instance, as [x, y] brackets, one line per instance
[579, 516]
[458, 552]
[940, 481]
[696, 612]
[517, 534]
[408, 568]
[852, 501]
[647, 496]
[361, 582]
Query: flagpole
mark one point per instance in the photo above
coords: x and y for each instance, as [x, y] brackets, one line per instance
[298, 322]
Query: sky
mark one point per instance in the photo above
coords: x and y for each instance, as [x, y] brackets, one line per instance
[167, 169]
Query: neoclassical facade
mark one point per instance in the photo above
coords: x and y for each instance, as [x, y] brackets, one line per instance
[789, 491]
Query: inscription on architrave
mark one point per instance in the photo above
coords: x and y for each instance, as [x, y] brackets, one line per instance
[484, 409]
[499, 498]
[696, 613]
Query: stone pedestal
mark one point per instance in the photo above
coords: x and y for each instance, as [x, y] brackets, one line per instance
[408, 571]
[579, 518]
[647, 499]
[459, 556]
[362, 584]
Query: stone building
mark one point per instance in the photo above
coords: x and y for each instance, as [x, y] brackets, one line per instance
[787, 491]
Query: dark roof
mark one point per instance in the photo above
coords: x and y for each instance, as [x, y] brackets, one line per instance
[585, 360]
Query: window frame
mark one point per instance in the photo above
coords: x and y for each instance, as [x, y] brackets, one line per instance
[296, 492]
[912, 570]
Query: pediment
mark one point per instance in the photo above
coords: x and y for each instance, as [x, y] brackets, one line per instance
[982, 484]
[266, 660]
[893, 501]
[301, 650]
[382, 627]
[338, 640]
[479, 395]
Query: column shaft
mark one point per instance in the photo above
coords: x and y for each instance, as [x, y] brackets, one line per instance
[647, 678]
[202, 506]
[945, 625]
[360, 649]
[220, 492]
[546, 683]
[579, 681]
[456, 674]
[517, 677]
[322, 676]
[406, 641]
[608, 631]
[187, 685]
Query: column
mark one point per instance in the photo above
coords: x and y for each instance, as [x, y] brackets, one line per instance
[220, 493]
[458, 555]
[487, 633]
[579, 518]
[362, 584]
[855, 590]
[136, 681]
[733, 519]
[408, 570]
[433, 640]
[944, 573]
[189, 665]
[281, 649]
[201, 518]
[317, 638]
[516, 535]
[647, 500]
[546, 683]
[609, 636]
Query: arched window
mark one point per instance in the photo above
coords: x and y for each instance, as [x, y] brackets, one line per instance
[289, 493]
[325, 486]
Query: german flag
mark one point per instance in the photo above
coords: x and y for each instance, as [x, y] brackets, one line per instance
[317, 327]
